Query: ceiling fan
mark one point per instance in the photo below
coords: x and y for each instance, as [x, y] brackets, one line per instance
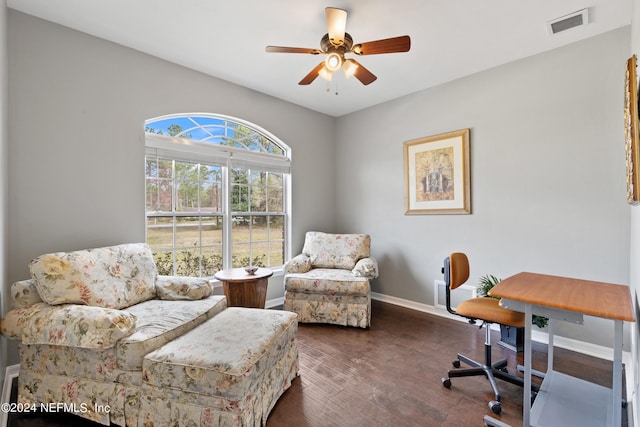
[337, 43]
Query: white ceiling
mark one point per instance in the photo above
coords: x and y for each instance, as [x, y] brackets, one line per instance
[226, 39]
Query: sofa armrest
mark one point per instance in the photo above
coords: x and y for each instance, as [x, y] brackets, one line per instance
[366, 267]
[298, 264]
[182, 288]
[69, 325]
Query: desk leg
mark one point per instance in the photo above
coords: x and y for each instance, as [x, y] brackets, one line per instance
[526, 404]
[550, 333]
[617, 374]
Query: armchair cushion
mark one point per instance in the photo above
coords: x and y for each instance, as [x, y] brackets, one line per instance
[366, 267]
[183, 288]
[335, 250]
[111, 277]
[69, 325]
[330, 281]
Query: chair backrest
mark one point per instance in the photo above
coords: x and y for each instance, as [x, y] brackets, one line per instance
[335, 250]
[458, 269]
[456, 273]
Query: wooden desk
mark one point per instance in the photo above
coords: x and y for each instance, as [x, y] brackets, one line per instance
[564, 400]
[243, 289]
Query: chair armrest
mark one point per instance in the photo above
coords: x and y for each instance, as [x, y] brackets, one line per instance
[366, 267]
[298, 264]
[182, 288]
[69, 325]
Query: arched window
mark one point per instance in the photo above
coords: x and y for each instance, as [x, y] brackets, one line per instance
[217, 194]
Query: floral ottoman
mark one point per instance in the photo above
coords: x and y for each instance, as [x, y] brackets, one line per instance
[229, 371]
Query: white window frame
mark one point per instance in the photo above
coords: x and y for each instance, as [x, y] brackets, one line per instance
[163, 146]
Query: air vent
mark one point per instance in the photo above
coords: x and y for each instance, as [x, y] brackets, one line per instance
[566, 22]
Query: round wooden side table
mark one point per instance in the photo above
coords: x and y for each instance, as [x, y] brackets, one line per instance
[243, 289]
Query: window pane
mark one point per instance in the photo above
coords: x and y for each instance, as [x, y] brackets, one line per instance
[188, 262]
[275, 194]
[276, 227]
[276, 240]
[211, 260]
[240, 254]
[164, 262]
[160, 232]
[210, 188]
[211, 231]
[258, 191]
[239, 198]
[151, 168]
[187, 232]
[276, 253]
[259, 253]
[165, 169]
[158, 195]
[241, 228]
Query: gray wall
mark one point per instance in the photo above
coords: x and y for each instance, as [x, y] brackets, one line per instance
[76, 150]
[4, 175]
[547, 174]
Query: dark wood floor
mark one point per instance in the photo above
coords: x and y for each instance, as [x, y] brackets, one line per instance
[390, 375]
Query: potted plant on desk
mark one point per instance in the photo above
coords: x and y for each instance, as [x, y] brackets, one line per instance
[510, 337]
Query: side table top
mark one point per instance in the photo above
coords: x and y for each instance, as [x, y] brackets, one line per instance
[239, 275]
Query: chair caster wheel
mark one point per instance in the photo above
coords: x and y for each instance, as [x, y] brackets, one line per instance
[495, 407]
[446, 382]
[455, 363]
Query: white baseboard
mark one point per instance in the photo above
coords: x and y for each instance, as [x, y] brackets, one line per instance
[274, 302]
[10, 373]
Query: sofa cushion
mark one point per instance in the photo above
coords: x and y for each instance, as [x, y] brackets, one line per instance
[161, 321]
[335, 250]
[24, 293]
[182, 287]
[327, 281]
[111, 277]
[69, 325]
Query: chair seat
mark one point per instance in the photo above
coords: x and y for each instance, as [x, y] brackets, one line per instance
[333, 281]
[489, 310]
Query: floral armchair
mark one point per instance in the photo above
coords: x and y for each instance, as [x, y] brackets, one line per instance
[85, 321]
[329, 281]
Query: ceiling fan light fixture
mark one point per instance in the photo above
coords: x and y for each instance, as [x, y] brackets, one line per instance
[336, 24]
[333, 61]
[325, 73]
[349, 67]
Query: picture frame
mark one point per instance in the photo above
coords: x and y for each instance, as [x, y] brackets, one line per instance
[437, 174]
[631, 124]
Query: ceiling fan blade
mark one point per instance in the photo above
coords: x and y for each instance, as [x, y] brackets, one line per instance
[392, 45]
[336, 25]
[284, 49]
[309, 78]
[365, 76]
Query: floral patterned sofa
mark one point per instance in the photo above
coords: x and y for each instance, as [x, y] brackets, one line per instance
[86, 320]
[329, 281]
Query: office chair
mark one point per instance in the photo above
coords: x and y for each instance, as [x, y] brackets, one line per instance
[487, 310]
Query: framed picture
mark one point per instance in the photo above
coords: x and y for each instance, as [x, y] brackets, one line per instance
[631, 132]
[436, 173]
